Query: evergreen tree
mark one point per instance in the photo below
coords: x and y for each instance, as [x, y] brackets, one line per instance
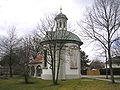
[84, 60]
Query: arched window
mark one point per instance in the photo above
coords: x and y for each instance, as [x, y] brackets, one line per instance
[64, 25]
[60, 24]
[57, 24]
[39, 70]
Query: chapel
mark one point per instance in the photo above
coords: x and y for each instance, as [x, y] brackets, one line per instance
[70, 66]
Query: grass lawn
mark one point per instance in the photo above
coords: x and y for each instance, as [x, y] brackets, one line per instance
[117, 78]
[38, 84]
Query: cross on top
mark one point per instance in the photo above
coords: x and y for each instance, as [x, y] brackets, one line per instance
[60, 9]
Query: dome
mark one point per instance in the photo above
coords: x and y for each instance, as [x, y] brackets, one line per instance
[62, 36]
[61, 15]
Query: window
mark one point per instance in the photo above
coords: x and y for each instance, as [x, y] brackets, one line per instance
[64, 24]
[60, 24]
[73, 59]
[57, 24]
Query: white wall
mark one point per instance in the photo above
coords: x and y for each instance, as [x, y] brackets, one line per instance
[65, 71]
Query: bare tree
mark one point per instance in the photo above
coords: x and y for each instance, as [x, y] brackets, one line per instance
[47, 27]
[103, 54]
[101, 25]
[116, 48]
[96, 64]
[25, 54]
[35, 43]
[8, 45]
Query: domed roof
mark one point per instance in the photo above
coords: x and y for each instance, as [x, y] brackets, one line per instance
[61, 15]
[62, 36]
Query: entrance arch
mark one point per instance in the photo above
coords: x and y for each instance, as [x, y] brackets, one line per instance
[39, 71]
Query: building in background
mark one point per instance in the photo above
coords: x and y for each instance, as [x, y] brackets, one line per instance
[115, 62]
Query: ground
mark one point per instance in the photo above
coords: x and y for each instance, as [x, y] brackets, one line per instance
[16, 83]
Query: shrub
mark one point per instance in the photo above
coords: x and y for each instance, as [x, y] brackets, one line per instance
[84, 72]
[116, 71]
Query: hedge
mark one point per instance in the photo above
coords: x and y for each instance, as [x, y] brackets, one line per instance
[116, 71]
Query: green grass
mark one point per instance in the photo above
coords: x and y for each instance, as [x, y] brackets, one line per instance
[38, 84]
[117, 78]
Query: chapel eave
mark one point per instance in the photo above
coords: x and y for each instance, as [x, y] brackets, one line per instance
[61, 41]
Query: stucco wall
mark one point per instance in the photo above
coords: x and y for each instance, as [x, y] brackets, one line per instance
[66, 72]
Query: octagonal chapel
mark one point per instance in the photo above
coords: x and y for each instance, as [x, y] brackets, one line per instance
[70, 66]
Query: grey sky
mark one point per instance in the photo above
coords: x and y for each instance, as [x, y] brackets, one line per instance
[25, 14]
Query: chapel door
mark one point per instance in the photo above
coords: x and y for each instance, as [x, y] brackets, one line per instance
[39, 70]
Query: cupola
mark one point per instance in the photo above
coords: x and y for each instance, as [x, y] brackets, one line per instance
[61, 21]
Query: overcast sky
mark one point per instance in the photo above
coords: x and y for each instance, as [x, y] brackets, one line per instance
[25, 14]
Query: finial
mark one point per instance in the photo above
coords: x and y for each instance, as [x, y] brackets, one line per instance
[60, 9]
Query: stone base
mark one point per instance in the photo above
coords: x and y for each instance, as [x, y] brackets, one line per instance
[72, 76]
[46, 76]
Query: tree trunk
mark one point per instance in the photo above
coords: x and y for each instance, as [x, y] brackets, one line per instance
[106, 67]
[106, 70]
[110, 65]
[111, 71]
[109, 54]
[26, 74]
[26, 79]
[54, 63]
[58, 66]
[10, 65]
[11, 75]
